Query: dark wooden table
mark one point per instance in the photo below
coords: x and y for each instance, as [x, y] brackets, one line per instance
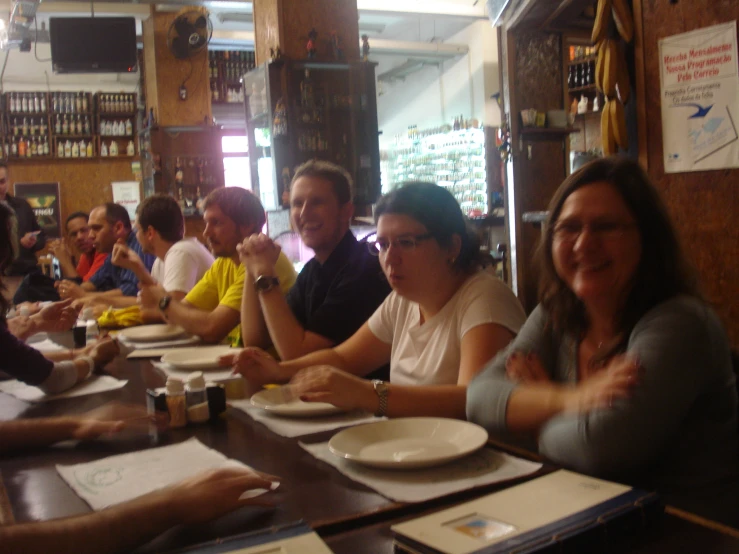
[351, 517]
[311, 490]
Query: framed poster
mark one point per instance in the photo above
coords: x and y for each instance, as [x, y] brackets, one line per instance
[700, 99]
[128, 195]
[45, 201]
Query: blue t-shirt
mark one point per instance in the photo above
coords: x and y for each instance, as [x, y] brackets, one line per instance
[110, 277]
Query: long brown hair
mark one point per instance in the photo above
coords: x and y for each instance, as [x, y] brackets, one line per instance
[662, 272]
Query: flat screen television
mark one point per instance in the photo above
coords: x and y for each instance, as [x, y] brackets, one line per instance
[93, 44]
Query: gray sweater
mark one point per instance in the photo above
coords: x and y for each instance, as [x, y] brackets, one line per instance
[677, 433]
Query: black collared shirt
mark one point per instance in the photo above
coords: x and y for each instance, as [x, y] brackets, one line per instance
[335, 298]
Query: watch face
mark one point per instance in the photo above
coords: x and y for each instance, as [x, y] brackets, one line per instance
[265, 283]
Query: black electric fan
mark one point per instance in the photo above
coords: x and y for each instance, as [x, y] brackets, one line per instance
[189, 33]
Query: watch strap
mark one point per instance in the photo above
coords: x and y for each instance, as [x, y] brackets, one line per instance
[382, 392]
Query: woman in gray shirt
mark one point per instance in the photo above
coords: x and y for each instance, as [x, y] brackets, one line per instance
[622, 371]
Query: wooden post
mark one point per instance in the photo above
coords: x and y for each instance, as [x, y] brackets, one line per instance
[164, 74]
[286, 24]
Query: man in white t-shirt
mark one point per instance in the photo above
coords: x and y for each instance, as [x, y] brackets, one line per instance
[180, 262]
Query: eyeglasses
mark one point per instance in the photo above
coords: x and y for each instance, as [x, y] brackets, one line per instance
[405, 243]
[570, 231]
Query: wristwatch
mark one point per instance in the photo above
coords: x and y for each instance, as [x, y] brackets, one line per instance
[164, 303]
[265, 283]
[382, 392]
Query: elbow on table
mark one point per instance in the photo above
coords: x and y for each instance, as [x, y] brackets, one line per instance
[211, 336]
[485, 408]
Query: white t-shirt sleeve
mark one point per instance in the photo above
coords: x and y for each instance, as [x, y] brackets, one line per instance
[381, 322]
[489, 300]
[180, 271]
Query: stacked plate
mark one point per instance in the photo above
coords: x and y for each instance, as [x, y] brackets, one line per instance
[152, 333]
[199, 357]
[280, 401]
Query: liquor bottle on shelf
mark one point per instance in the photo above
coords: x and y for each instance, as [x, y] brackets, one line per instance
[14, 148]
[65, 125]
[130, 149]
[24, 104]
[79, 124]
[90, 150]
[57, 125]
[68, 149]
[33, 151]
[75, 150]
[42, 126]
[43, 103]
[306, 91]
[87, 125]
[83, 149]
[113, 150]
[46, 146]
[179, 174]
[104, 150]
[85, 102]
[128, 127]
[24, 128]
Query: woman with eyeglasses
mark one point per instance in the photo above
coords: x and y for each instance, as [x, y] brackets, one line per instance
[445, 318]
[622, 371]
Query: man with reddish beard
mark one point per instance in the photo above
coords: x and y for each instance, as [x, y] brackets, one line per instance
[211, 309]
[89, 260]
[337, 290]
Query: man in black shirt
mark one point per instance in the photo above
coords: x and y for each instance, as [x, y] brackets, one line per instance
[31, 238]
[336, 291]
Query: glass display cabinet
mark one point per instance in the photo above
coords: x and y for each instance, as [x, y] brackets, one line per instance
[301, 110]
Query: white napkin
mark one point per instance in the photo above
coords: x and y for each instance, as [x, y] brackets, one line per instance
[298, 426]
[116, 479]
[93, 385]
[483, 467]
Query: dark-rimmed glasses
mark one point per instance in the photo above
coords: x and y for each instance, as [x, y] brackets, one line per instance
[405, 243]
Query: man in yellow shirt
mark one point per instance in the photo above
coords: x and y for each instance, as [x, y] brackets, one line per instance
[211, 309]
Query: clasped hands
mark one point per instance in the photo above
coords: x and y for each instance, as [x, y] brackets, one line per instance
[320, 383]
[615, 380]
[259, 255]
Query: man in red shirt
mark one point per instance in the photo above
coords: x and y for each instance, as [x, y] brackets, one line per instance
[89, 260]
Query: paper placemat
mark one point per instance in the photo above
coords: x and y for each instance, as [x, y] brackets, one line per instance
[116, 479]
[296, 427]
[93, 385]
[214, 376]
[484, 467]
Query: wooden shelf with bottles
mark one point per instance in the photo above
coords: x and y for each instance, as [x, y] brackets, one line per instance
[70, 122]
[196, 150]
[116, 124]
[226, 68]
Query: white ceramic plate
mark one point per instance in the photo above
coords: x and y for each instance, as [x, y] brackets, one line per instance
[199, 357]
[410, 442]
[275, 401]
[151, 333]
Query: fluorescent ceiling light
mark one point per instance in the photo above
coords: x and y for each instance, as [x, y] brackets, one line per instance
[465, 8]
